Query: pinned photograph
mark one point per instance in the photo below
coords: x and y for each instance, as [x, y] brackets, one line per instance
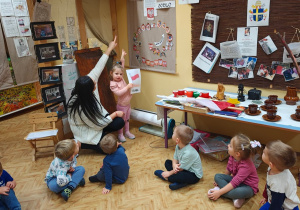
[209, 28]
[233, 72]
[251, 62]
[267, 45]
[53, 94]
[50, 75]
[47, 52]
[43, 30]
[279, 66]
[209, 54]
[290, 74]
[225, 63]
[245, 73]
[266, 72]
[240, 62]
[59, 108]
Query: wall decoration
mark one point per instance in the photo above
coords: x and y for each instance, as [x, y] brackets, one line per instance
[23, 26]
[59, 108]
[50, 75]
[21, 46]
[209, 28]
[43, 30]
[152, 42]
[17, 98]
[258, 12]
[47, 52]
[10, 26]
[53, 94]
[247, 40]
[267, 45]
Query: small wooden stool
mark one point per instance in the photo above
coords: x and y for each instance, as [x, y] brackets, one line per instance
[43, 130]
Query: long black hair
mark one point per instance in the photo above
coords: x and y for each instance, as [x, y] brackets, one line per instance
[85, 101]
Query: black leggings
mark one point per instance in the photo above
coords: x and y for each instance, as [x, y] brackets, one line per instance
[181, 176]
[115, 125]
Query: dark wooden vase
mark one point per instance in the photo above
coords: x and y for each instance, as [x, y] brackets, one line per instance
[291, 95]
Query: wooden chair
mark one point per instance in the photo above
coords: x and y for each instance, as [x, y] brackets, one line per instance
[43, 130]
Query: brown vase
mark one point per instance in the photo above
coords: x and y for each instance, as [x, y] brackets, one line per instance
[291, 95]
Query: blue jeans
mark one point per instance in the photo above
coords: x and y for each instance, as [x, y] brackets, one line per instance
[241, 191]
[267, 205]
[77, 176]
[9, 201]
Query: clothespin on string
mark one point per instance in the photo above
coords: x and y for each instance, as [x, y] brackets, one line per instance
[230, 33]
[296, 33]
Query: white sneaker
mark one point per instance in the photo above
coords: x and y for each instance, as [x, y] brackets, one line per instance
[238, 202]
[215, 188]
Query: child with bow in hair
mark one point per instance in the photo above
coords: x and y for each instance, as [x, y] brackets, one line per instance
[240, 180]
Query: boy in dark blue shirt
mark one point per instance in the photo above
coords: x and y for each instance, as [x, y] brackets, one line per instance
[115, 167]
[8, 198]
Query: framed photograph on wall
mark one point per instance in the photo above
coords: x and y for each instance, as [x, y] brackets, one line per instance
[50, 75]
[53, 94]
[59, 108]
[47, 52]
[43, 30]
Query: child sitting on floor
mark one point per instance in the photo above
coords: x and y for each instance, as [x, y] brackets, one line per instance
[115, 167]
[186, 167]
[63, 176]
[119, 87]
[281, 188]
[8, 199]
[244, 180]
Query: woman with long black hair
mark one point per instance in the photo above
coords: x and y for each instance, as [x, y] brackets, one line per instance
[88, 119]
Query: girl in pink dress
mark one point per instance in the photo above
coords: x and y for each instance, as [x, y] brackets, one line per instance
[119, 87]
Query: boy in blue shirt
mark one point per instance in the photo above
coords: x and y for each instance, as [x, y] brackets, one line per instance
[8, 198]
[115, 167]
[186, 167]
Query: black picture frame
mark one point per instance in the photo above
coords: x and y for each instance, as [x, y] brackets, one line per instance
[43, 30]
[60, 108]
[53, 94]
[47, 52]
[50, 75]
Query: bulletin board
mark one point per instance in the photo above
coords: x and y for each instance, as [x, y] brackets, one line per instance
[233, 14]
[151, 48]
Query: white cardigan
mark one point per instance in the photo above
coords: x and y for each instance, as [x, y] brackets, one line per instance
[90, 134]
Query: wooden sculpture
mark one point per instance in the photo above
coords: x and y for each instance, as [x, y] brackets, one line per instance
[220, 92]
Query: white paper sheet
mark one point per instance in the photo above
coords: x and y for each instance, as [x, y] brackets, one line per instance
[165, 4]
[20, 7]
[247, 40]
[258, 13]
[230, 49]
[22, 46]
[41, 134]
[149, 4]
[188, 1]
[24, 26]
[134, 77]
[209, 28]
[6, 8]
[10, 26]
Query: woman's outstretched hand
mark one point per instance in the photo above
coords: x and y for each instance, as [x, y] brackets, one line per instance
[111, 46]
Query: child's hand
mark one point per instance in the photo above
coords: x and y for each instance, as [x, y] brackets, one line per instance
[123, 53]
[119, 113]
[11, 184]
[4, 190]
[214, 194]
[130, 85]
[177, 168]
[263, 201]
[105, 191]
[71, 169]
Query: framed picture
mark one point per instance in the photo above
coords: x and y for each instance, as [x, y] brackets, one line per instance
[53, 94]
[59, 108]
[50, 75]
[43, 30]
[47, 52]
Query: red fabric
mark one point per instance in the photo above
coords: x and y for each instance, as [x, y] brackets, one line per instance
[223, 105]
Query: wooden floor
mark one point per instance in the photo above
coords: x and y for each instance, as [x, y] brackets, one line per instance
[142, 190]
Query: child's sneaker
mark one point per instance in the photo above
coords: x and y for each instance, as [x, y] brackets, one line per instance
[129, 135]
[176, 186]
[121, 138]
[238, 203]
[82, 182]
[66, 193]
[215, 188]
[158, 173]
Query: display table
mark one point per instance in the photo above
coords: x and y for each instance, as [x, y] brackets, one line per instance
[283, 110]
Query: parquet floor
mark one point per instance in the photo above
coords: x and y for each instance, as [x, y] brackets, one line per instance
[143, 190]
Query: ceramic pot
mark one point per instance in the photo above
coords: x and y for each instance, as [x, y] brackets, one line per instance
[291, 95]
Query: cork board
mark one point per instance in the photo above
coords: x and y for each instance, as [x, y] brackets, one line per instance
[283, 15]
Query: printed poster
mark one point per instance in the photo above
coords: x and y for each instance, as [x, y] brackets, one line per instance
[149, 4]
[6, 8]
[20, 7]
[21, 46]
[258, 12]
[10, 26]
[134, 77]
[24, 26]
[247, 40]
